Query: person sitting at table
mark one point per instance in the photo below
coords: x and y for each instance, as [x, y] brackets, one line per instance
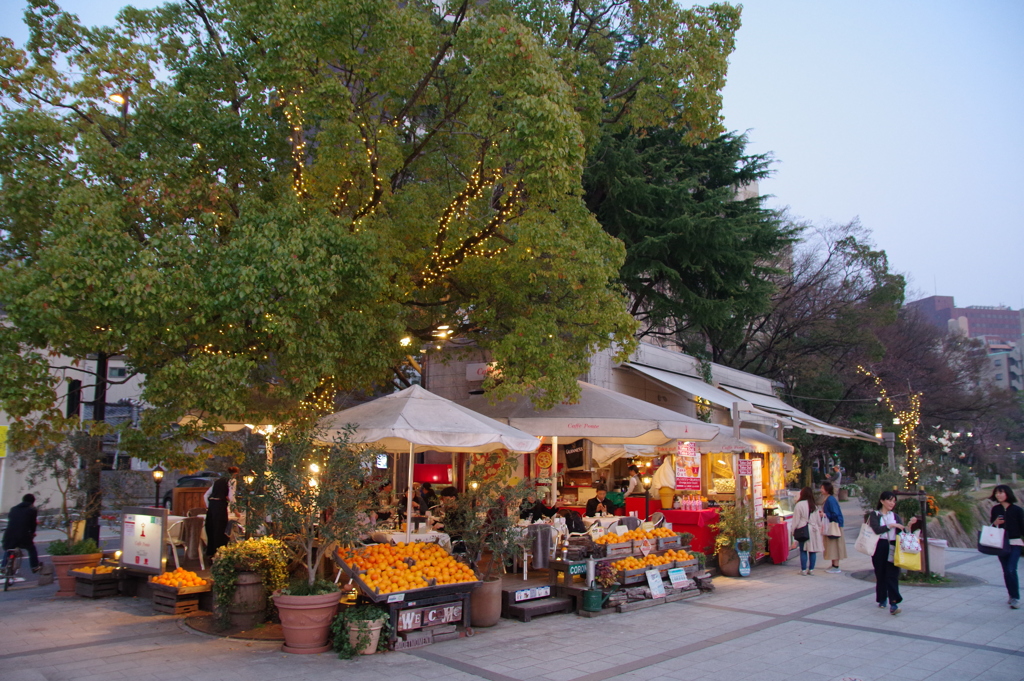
[573, 521]
[428, 496]
[599, 504]
[449, 497]
[383, 503]
[533, 509]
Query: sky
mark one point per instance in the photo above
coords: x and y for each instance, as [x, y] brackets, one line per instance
[905, 115]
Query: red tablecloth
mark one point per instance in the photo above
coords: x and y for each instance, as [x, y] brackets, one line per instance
[696, 523]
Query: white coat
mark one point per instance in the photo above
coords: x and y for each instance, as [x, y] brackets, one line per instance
[812, 519]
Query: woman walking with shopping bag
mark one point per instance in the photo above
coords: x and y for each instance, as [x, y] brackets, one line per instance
[807, 530]
[1009, 517]
[832, 528]
[887, 524]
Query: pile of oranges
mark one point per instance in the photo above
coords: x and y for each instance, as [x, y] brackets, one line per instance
[179, 577]
[392, 568]
[634, 535]
[652, 560]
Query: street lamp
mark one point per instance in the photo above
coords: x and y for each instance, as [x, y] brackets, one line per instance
[646, 482]
[158, 476]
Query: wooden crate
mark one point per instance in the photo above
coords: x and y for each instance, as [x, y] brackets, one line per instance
[177, 600]
[620, 550]
[172, 604]
[90, 585]
[670, 543]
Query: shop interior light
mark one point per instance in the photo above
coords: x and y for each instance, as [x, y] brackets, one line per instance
[720, 461]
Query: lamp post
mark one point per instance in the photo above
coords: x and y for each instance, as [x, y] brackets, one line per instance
[158, 476]
[890, 445]
[646, 482]
[248, 480]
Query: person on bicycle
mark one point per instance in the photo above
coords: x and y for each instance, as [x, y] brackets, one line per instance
[21, 530]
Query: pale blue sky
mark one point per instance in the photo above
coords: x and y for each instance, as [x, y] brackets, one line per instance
[905, 114]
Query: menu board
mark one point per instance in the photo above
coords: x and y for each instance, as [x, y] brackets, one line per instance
[687, 466]
[654, 581]
[143, 539]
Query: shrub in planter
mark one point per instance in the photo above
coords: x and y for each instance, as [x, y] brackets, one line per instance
[265, 556]
[355, 628]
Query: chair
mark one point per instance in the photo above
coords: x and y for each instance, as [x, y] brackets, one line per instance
[629, 522]
[658, 518]
[175, 541]
[193, 512]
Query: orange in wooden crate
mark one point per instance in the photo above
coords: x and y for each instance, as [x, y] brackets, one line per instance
[392, 568]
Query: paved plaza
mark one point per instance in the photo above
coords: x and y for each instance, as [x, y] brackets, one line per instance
[773, 626]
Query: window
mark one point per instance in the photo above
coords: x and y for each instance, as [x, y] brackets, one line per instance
[117, 372]
[998, 363]
[999, 377]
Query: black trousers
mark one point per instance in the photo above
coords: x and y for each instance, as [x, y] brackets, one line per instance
[887, 575]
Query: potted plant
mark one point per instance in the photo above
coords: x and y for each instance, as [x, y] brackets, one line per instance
[486, 520]
[243, 574]
[315, 499]
[735, 523]
[53, 458]
[360, 630]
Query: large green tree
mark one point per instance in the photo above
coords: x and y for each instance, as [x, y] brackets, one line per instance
[255, 201]
[699, 254]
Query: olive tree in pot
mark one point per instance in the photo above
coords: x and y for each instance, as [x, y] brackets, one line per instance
[485, 519]
[61, 457]
[315, 500]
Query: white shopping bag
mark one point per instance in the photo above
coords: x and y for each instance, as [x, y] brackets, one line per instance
[867, 540]
[992, 537]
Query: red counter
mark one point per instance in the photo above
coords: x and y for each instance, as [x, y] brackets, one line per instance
[696, 523]
[639, 505]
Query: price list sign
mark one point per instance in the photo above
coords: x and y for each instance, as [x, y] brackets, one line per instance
[687, 467]
[143, 539]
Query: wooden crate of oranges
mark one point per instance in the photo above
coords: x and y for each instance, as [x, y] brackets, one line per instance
[177, 592]
[424, 568]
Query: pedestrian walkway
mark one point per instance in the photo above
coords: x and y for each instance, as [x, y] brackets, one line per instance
[775, 625]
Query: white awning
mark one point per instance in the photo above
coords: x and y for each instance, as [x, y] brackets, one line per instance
[798, 418]
[697, 387]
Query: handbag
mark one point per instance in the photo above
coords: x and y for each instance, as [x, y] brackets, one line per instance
[867, 540]
[833, 530]
[908, 560]
[801, 533]
[909, 542]
[993, 541]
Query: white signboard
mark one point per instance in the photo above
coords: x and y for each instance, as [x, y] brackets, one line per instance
[757, 487]
[143, 539]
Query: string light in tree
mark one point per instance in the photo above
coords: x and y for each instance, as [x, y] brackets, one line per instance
[908, 419]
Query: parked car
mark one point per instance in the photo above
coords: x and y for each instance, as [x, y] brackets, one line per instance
[200, 479]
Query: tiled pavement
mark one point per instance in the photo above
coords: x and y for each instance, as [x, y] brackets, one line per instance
[775, 625]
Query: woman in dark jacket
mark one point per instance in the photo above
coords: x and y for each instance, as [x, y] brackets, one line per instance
[1007, 515]
[887, 523]
[218, 498]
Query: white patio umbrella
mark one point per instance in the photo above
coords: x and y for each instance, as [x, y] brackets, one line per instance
[416, 420]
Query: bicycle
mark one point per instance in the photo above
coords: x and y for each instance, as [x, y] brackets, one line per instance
[12, 566]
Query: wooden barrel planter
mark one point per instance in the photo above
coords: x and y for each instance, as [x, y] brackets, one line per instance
[250, 601]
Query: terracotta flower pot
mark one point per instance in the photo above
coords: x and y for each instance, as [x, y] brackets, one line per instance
[306, 621]
[370, 628]
[485, 604]
[63, 564]
[728, 562]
